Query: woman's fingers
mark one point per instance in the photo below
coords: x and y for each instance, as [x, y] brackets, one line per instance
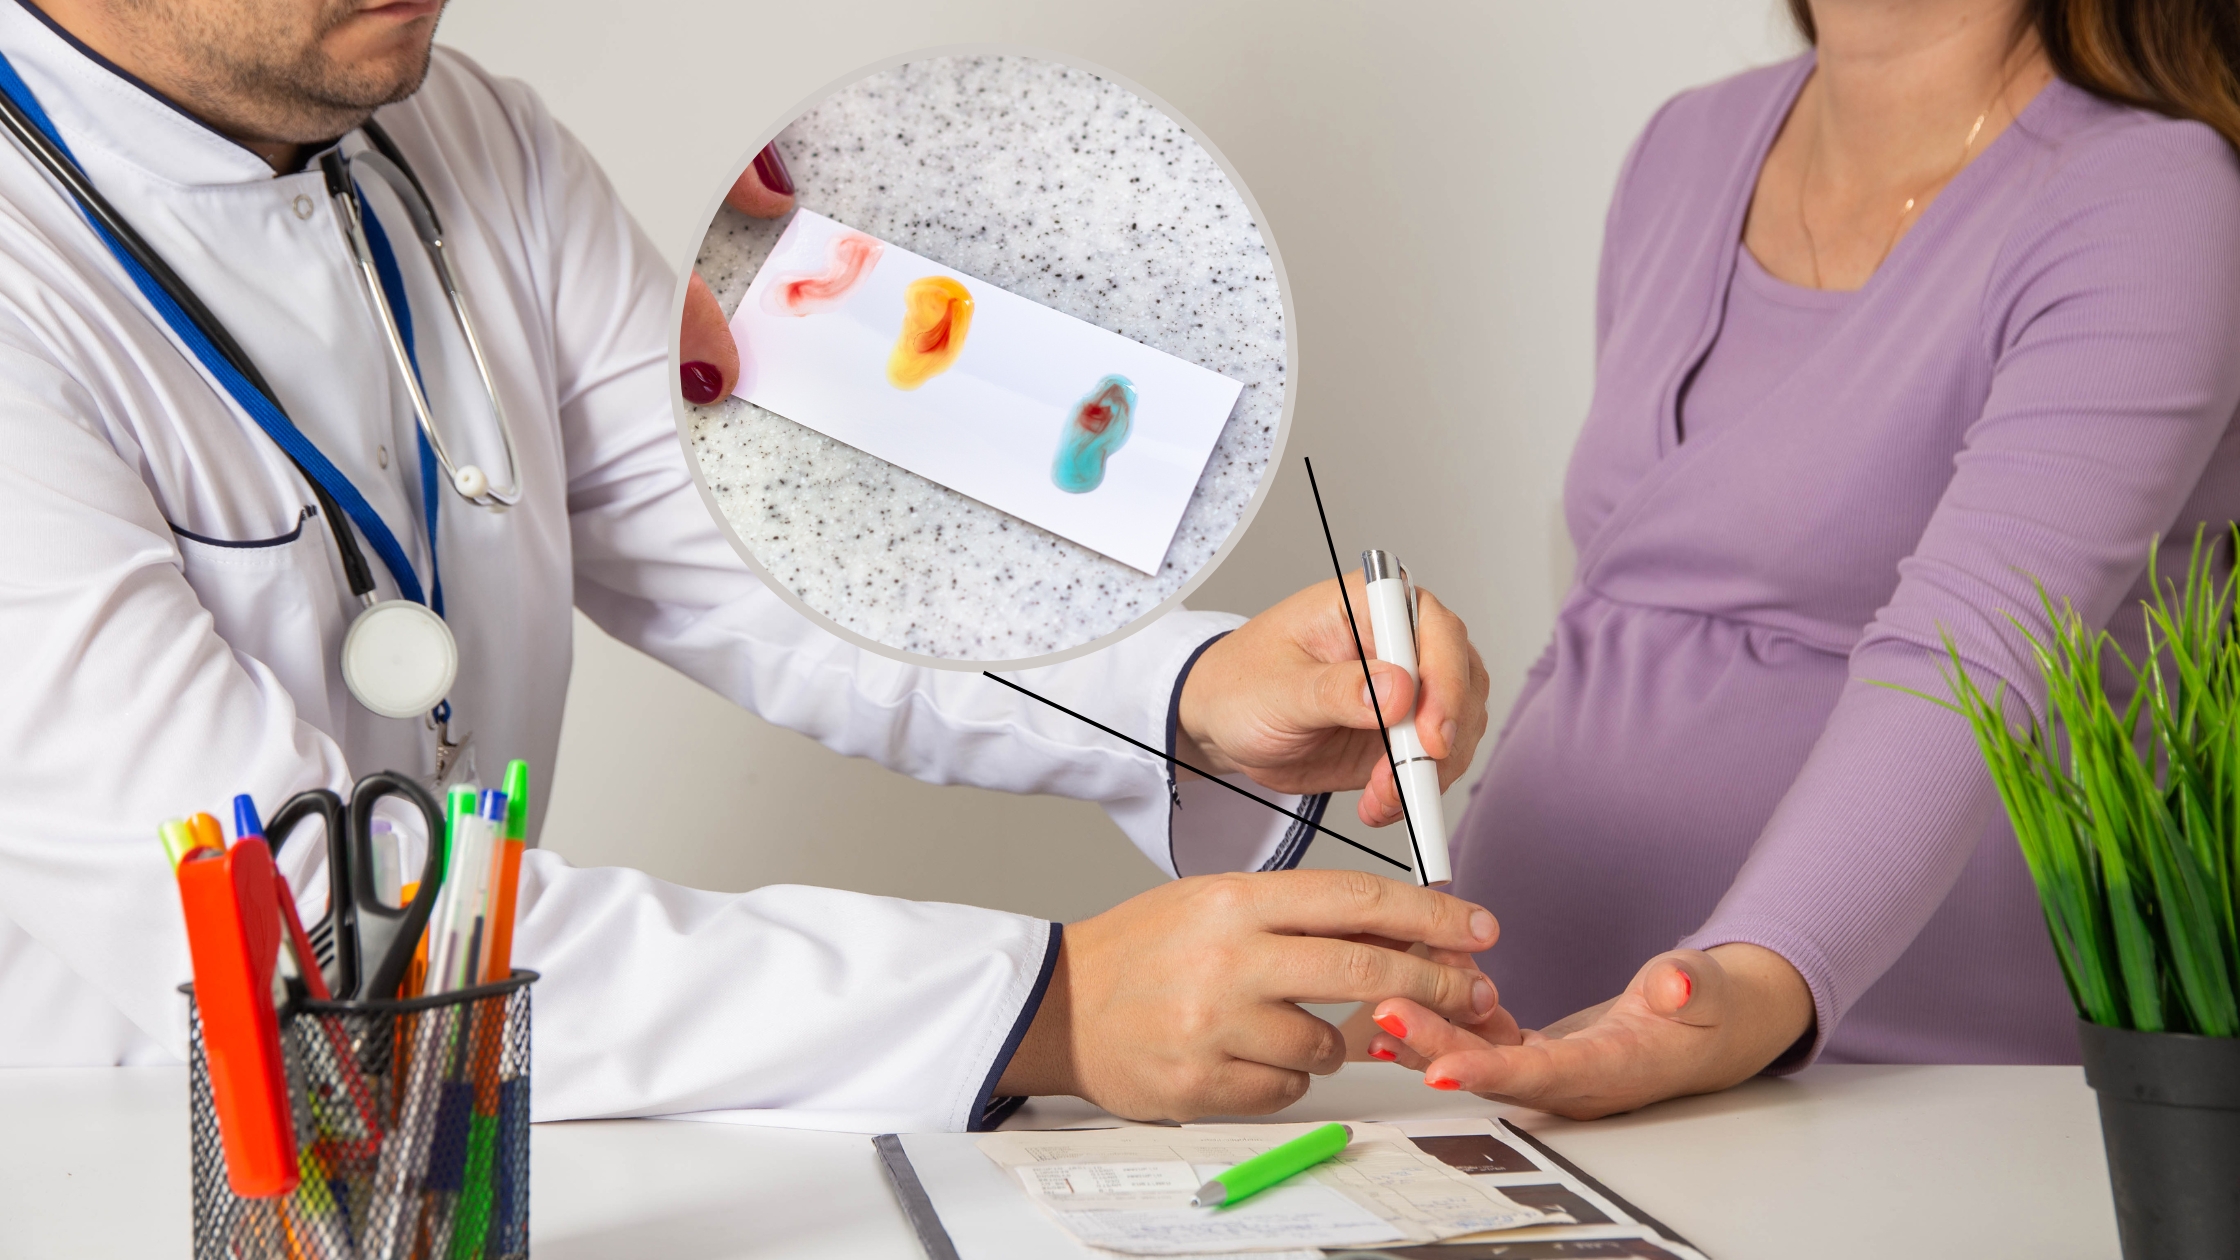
[1690, 1022]
[711, 356]
[1397, 1020]
[1450, 1057]
[1386, 1049]
[765, 189]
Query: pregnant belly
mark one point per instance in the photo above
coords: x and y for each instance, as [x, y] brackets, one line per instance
[1629, 789]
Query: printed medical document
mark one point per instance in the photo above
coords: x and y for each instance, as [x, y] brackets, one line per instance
[1128, 1190]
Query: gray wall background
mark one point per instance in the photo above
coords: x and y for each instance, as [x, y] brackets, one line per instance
[1433, 175]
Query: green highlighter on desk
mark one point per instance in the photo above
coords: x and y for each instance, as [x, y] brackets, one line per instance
[1270, 1167]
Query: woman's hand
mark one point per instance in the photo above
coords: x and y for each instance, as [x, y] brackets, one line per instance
[1281, 699]
[711, 358]
[1690, 1023]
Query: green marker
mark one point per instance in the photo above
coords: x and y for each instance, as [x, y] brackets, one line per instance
[517, 800]
[1281, 1164]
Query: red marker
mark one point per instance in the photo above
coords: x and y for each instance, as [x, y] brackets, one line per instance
[247, 826]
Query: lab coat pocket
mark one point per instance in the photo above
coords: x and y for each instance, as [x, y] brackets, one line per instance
[274, 598]
[303, 518]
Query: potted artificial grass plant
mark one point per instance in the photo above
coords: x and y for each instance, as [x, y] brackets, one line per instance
[2129, 820]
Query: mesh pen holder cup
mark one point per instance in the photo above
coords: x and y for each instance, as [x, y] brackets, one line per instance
[412, 1133]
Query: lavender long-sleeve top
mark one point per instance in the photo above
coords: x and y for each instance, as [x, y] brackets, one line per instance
[2039, 380]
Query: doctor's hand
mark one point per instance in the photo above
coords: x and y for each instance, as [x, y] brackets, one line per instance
[1181, 1002]
[711, 358]
[1692, 1022]
[1281, 699]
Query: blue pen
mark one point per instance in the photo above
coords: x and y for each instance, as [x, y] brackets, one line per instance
[493, 811]
[246, 824]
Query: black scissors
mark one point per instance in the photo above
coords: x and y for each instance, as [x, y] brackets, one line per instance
[364, 945]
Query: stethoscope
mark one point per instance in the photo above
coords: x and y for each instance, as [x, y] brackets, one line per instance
[399, 658]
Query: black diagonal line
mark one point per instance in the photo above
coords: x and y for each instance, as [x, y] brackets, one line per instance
[1392, 759]
[1208, 775]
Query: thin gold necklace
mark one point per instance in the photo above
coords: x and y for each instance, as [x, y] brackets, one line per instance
[1967, 146]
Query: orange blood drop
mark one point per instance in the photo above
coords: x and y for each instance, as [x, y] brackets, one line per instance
[936, 314]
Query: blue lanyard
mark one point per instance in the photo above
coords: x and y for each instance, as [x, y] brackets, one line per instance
[264, 410]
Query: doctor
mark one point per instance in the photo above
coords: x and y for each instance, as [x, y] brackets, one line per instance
[176, 590]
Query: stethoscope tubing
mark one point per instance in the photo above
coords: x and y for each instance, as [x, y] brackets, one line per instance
[349, 210]
[429, 654]
[73, 180]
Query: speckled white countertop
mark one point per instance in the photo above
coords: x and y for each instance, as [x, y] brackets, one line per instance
[1060, 187]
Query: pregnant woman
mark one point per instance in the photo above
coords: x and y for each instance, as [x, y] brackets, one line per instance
[1887, 332]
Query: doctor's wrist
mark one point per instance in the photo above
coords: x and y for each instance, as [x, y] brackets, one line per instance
[1043, 1062]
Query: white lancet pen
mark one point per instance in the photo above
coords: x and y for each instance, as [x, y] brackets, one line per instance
[1392, 617]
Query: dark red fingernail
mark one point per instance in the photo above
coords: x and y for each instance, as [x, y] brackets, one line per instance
[1379, 1052]
[1392, 1024]
[702, 382]
[1441, 1082]
[1687, 988]
[771, 170]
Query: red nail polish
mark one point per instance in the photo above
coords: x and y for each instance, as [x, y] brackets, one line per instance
[1379, 1052]
[702, 382]
[1687, 988]
[771, 170]
[1392, 1024]
[1441, 1082]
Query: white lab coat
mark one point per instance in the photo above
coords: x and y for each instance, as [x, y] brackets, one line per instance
[148, 674]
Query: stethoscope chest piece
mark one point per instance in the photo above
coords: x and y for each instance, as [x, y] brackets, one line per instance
[399, 659]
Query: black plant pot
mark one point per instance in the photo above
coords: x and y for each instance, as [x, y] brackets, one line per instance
[2170, 1118]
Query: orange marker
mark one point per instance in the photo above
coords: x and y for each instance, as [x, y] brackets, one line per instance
[207, 833]
[509, 871]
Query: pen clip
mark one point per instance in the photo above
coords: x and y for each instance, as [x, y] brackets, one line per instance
[1408, 589]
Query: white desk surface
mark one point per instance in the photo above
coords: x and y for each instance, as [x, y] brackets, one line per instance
[1835, 1163]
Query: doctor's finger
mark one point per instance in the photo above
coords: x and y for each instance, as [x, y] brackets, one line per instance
[1333, 695]
[765, 189]
[710, 356]
[1380, 800]
[1451, 716]
[1283, 1036]
[1312, 969]
[1349, 903]
[1240, 1087]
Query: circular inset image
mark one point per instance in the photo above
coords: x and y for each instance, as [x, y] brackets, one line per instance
[1013, 372]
